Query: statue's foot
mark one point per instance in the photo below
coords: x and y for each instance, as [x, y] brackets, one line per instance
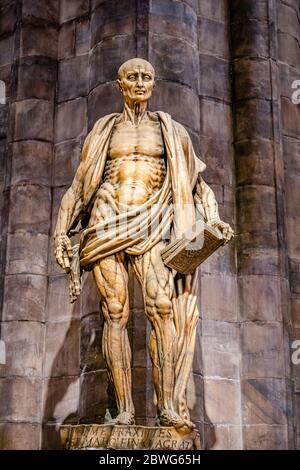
[125, 418]
[170, 418]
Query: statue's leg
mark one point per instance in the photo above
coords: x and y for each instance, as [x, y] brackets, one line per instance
[157, 283]
[112, 282]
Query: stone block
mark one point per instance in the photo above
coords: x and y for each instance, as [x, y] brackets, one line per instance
[288, 49]
[220, 343]
[218, 411]
[8, 18]
[256, 260]
[37, 78]
[181, 64]
[73, 9]
[6, 50]
[293, 239]
[61, 398]
[194, 398]
[93, 397]
[250, 39]
[174, 18]
[91, 357]
[222, 437]
[256, 208]
[19, 436]
[252, 79]
[265, 304]
[30, 208]
[136, 298]
[139, 339]
[68, 87]
[59, 307]
[294, 270]
[197, 367]
[33, 120]
[262, 350]
[219, 297]
[253, 120]
[179, 101]
[71, 120]
[215, 119]
[113, 18]
[27, 253]
[291, 150]
[90, 297]
[248, 10]
[290, 118]
[66, 40]
[213, 38]
[24, 353]
[264, 401]
[214, 78]
[31, 162]
[83, 36]
[288, 20]
[38, 40]
[25, 297]
[104, 99]
[139, 381]
[107, 56]
[265, 437]
[287, 76]
[255, 162]
[44, 10]
[23, 399]
[62, 349]
[51, 437]
[295, 307]
[218, 156]
[222, 261]
[216, 11]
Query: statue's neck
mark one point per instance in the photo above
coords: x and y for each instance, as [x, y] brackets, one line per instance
[135, 112]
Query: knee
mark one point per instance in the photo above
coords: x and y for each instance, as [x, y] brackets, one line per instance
[163, 305]
[115, 310]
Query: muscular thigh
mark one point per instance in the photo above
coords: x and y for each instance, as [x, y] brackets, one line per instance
[112, 282]
[155, 277]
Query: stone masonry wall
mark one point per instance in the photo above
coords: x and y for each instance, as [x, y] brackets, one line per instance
[224, 70]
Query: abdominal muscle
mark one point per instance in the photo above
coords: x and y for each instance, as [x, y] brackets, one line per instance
[135, 178]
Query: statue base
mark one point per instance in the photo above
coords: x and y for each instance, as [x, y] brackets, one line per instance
[122, 437]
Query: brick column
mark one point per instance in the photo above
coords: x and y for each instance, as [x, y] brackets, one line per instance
[289, 67]
[220, 330]
[264, 313]
[28, 204]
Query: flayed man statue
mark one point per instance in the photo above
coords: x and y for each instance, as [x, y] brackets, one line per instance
[136, 189]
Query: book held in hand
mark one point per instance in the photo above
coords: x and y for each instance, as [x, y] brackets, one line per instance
[186, 254]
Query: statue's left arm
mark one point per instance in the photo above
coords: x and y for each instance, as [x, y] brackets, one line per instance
[207, 205]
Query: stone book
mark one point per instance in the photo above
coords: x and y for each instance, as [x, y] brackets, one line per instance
[186, 254]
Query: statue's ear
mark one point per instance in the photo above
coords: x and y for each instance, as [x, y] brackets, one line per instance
[118, 84]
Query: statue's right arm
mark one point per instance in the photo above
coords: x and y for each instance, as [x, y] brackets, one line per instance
[70, 210]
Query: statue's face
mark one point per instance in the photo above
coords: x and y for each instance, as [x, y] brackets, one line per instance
[136, 81]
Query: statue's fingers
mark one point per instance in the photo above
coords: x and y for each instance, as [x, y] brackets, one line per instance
[68, 247]
[59, 257]
[66, 262]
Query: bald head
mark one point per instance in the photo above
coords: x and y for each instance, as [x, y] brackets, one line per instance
[133, 64]
[136, 81]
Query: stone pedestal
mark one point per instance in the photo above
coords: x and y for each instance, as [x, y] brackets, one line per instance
[103, 436]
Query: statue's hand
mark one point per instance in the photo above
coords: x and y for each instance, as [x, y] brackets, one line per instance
[225, 229]
[63, 251]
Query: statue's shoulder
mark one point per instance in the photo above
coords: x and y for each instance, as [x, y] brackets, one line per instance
[168, 118]
[101, 123]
